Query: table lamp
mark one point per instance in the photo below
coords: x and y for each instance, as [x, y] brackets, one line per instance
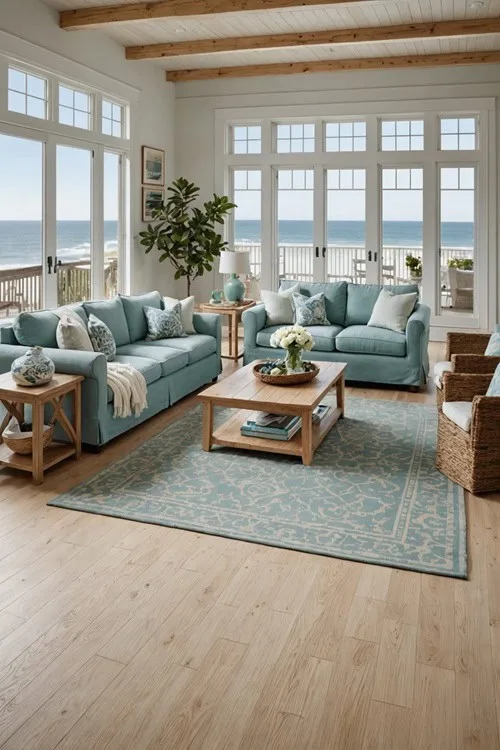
[234, 262]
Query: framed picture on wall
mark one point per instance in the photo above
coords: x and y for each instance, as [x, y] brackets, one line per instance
[153, 166]
[151, 199]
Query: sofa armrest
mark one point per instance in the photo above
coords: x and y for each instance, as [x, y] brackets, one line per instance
[459, 386]
[209, 324]
[465, 343]
[485, 425]
[254, 320]
[474, 363]
[417, 336]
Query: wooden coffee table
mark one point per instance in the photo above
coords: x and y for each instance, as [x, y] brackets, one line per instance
[243, 391]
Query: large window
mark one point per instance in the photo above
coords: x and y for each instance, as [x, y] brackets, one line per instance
[391, 198]
[62, 191]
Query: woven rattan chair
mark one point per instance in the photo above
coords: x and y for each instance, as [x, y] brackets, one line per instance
[465, 354]
[470, 457]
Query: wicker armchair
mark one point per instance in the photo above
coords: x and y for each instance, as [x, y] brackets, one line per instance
[470, 457]
[464, 353]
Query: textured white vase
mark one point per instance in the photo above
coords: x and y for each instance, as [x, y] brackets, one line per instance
[33, 368]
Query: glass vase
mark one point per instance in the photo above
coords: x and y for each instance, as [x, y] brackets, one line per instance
[293, 360]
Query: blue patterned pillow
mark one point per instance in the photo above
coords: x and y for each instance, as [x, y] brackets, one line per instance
[101, 337]
[310, 311]
[494, 387]
[493, 348]
[164, 324]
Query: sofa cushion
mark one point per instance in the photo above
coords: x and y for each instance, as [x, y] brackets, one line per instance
[170, 360]
[148, 367]
[196, 345]
[279, 307]
[460, 412]
[111, 312]
[310, 311]
[392, 311]
[361, 300]
[324, 337]
[365, 340]
[335, 297]
[133, 308]
[439, 370]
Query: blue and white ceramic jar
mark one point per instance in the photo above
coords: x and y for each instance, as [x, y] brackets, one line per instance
[33, 368]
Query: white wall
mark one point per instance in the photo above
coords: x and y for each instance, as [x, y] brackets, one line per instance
[198, 102]
[154, 101]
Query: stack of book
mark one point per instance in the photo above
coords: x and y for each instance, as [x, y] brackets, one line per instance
[278, 426]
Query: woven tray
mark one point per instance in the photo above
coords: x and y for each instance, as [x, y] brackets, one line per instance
[24, 443]
[295, 379]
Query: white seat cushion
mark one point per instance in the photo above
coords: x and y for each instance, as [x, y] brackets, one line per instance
[439, 369]
[460, 412]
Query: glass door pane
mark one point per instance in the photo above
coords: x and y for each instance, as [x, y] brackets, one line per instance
[295, 225]
[74, 223]
[457, 240]
[247, 216]
[402, 225]
[21, 224]
[345, 225]
[112, 221]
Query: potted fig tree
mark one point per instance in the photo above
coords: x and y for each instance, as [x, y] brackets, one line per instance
[185, 234]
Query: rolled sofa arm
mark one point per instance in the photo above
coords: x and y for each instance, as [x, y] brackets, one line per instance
[417, 335]
[254, 320]
[209, 324]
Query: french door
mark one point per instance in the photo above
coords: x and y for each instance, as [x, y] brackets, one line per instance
[62, 227]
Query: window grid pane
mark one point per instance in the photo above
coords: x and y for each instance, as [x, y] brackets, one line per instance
[75, 108]
[112, 119]
[458, 133]
[402, 135]
[27, 94]
[295, 139]
[247, 139]
[345, 136]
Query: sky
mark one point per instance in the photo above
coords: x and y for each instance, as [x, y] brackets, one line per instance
[21, 182]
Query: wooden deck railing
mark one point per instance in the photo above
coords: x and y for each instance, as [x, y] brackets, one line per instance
[21, 288]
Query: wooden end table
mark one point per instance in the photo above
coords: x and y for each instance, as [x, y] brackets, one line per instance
[234, 313]
[14, 397]
[242, 390]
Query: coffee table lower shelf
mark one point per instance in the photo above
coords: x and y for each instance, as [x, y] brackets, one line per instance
[229, 435]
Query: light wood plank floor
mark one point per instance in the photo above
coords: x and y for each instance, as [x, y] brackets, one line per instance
[117, 635]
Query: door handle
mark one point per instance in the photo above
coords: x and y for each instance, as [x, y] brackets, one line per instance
[323, 251]
[317, 252]
[49, 263]
[370, 256]
[375, 257]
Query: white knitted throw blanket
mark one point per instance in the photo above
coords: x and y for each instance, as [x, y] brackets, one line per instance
[129, 390]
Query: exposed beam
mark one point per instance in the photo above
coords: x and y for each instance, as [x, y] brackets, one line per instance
[95, 16]
[308, 38]
[326, 66]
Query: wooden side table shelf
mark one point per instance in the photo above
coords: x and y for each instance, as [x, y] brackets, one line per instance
[234, 313]
[14, 397]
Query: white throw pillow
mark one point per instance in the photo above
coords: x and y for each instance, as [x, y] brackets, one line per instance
[187, 310]
[279, 306]
[392, 310]
[71, 332]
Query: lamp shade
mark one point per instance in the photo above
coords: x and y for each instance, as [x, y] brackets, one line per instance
[234, 261]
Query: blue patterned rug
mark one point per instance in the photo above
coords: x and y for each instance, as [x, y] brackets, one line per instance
[372, 494]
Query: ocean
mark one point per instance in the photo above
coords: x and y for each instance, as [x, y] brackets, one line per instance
[21, 241]
[352, 233]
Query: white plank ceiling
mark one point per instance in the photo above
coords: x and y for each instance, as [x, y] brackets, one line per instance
[353, 15]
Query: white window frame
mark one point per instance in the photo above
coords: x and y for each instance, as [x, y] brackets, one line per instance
[429, 110]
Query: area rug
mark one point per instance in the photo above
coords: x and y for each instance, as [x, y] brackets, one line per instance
[372, 494]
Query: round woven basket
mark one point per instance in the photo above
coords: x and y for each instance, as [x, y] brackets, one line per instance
[24, 443]
[294, 379]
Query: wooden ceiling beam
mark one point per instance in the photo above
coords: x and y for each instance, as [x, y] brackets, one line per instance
[434, 30]
[104, 14]
[328, 66]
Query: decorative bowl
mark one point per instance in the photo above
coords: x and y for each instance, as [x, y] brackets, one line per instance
[294, 379]
[22, 442]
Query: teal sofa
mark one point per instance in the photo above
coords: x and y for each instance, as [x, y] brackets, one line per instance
[172, 368]
[373, 355]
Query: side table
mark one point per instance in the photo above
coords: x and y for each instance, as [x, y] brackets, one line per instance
[14, 397]
[234, 313]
